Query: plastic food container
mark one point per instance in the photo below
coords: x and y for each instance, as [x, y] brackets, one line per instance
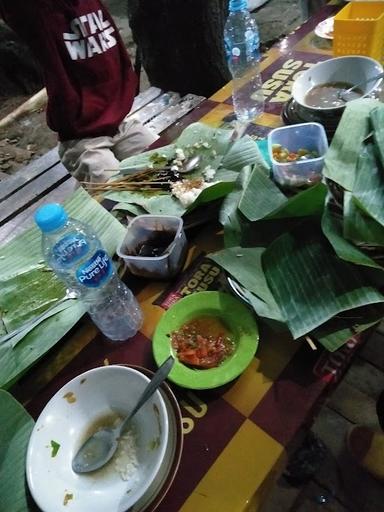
[154, 246]
[309, 136]
[358, 30]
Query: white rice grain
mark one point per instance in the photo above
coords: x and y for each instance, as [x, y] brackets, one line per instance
[126, 462]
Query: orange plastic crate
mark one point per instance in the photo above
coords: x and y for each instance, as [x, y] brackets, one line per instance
[359, 30]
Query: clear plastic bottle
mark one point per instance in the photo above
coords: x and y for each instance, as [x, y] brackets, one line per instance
[241, 38]
[74, 252]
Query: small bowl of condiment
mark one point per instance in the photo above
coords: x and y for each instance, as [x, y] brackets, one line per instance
[297, 154]
[319, 87]
[154, 246]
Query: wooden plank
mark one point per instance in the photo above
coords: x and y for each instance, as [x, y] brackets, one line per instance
[175, 112]
[154, 108]
[29, 173]
[32, 191]
[24, 219]
[4, 176]
[144, 98]
[373, 350]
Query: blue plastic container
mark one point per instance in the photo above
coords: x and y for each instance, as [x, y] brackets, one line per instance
[306, 172]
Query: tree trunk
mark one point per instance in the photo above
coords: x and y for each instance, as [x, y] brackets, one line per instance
[18, 70]
[181, 43]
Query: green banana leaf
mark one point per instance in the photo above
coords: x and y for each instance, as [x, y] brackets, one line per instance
[334, 334]
[22, 256]
[377, 120]
[261, 196]
[341, 158]
[306, 203]
[358, 226]
[23, 295]
[16, 426]
[243, 152]
[216, 150]
[368, 189]
[132, 209]
[310, 283]
[332, 226]
[245, 265]
[230, 217]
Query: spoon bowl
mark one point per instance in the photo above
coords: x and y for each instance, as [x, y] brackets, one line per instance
[190, 164]
[98, 449]
[343, 93]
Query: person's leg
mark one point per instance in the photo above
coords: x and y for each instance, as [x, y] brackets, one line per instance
[89, 159]
[132, 138]
[366, 445]
[367, 448]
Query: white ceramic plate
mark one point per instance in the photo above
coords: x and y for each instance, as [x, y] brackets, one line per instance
[66, 417]
[163, 481]
[325, 28]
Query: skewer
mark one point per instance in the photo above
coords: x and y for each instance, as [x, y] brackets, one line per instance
[310, 343]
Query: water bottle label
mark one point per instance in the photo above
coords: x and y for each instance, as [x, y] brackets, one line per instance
[69, 249]
[95, 271]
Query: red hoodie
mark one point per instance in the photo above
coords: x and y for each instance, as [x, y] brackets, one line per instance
[87, 72]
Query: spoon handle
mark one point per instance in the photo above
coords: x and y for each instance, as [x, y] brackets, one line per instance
[376, 77]
[154, 383]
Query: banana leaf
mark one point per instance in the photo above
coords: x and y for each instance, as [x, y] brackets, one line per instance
[15, 429]
[310, 283]
[23, 294]
[261, 196]
[22, 256]
[358, 226]
[368, 189]
[245, 265]
[243, 152]
[334, 334]
[377, 120]
[222, 154]
[306, 203]
[332, 226]
[132, 209]
[230, 217]
[341, 158]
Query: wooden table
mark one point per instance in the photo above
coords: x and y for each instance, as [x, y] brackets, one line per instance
[235, 437]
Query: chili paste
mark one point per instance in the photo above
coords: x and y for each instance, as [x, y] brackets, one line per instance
[203, 342]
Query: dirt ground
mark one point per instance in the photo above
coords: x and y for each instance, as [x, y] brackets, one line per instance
[29, 137]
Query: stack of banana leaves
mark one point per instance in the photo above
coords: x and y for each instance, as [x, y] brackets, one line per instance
[313, 262]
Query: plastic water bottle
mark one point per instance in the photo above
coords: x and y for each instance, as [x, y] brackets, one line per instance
[241, 38]
[74, 252]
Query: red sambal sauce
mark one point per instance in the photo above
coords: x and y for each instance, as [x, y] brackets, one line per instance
[204, 342]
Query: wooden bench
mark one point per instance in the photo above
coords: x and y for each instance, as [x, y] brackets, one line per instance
[23, 191]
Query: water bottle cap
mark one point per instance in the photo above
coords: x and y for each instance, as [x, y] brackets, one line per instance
[238, 5]
[51, 216]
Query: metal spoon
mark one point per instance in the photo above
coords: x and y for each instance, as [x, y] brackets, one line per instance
[190, 164]
[342, 93]
[97, 450]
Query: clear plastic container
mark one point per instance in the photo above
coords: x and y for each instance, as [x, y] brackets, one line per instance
[310, 136]
[154, 246]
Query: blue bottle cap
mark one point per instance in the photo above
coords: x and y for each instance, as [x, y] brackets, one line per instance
[51, 216]
[238, 5]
